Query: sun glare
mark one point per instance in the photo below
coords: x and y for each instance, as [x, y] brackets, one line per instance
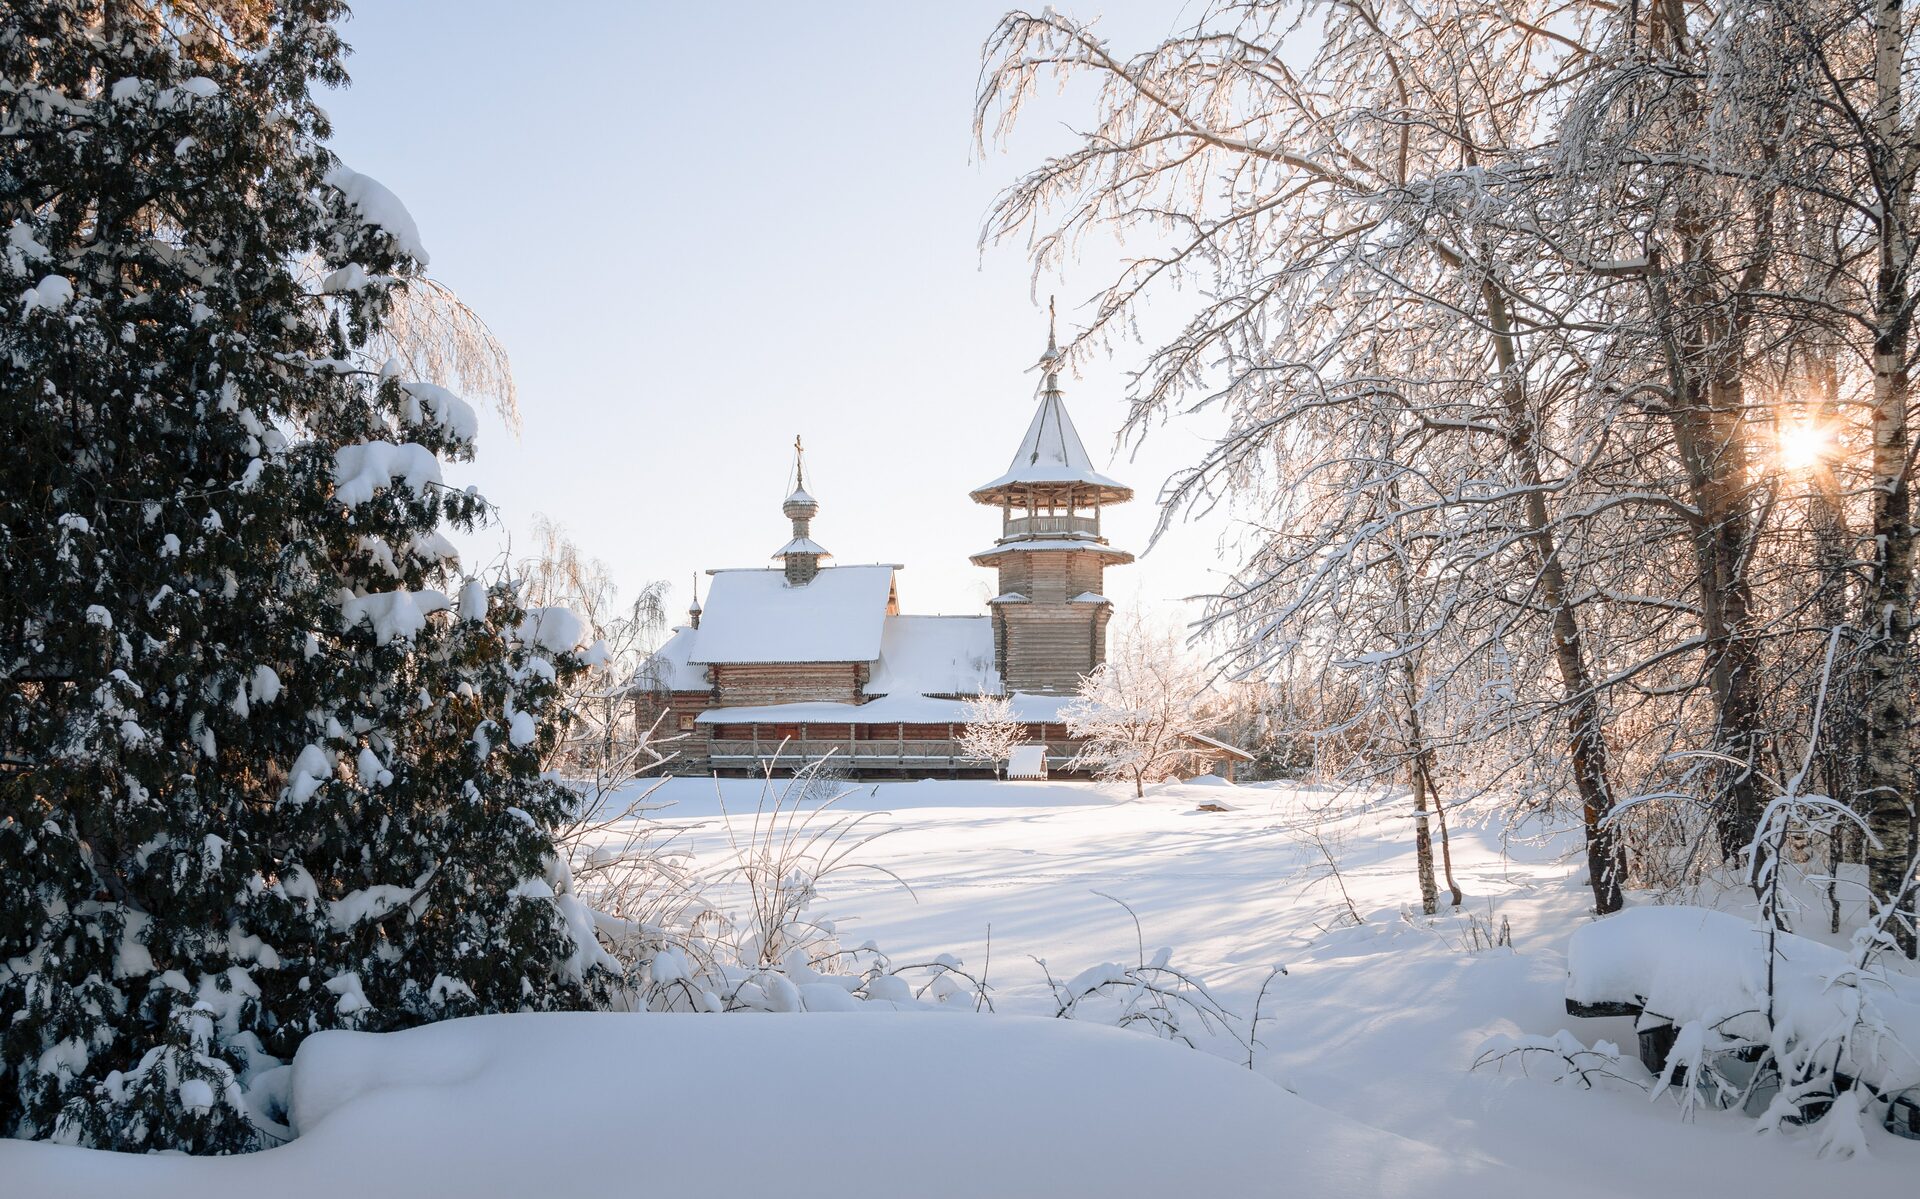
[1802, 444]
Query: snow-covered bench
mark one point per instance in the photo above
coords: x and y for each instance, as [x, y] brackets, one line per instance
[1698, 981]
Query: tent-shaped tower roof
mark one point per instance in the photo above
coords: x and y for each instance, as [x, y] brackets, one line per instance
[1051, 456]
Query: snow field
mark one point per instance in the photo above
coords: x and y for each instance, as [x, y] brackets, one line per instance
[1364, 1082]
[501, 1107]
[1381, 1022]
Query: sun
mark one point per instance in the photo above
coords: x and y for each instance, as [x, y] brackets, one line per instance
[1802, 443]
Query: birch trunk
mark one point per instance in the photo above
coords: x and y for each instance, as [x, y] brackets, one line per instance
[1840, 737]
[1886, 768]
[1423, 840]
[1586, 747]
[1419, 754]
[1446, 845]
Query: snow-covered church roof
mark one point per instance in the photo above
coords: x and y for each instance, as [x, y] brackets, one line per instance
[935, 655]
[671, 667]
[755, 616]
[918, 656]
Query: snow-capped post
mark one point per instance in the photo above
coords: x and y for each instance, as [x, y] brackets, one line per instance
[272, 765]
[991, 732]
[1138, 715]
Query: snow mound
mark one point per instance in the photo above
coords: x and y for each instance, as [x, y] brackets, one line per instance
[924, 1104]
[380, 207]
[1689, 965]
[361, 470]
[555, 630]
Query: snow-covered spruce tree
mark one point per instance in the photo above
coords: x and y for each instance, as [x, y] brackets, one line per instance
[258, 777]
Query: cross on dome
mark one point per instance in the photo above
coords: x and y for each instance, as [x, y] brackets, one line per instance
[801, 554]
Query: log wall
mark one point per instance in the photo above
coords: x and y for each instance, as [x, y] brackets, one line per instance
[1048, 643]
[676, 734]
[751, 684]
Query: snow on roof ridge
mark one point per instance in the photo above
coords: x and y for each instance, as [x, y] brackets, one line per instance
[743, 570]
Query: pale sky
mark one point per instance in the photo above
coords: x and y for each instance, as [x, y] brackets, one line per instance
[702, 229]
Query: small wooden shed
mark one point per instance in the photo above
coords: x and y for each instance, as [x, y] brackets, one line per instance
[1225, 757]
[1027, 762]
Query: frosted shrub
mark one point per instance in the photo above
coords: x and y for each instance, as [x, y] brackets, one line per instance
[684, 948]
[1561, 1058]
[1152, 995]
[659, 909]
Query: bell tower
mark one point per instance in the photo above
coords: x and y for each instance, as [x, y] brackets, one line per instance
[1050, 616]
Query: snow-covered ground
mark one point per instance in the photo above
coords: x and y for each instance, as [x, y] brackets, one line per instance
[1380, 1022]
[925, 1104]
[1375, 1030]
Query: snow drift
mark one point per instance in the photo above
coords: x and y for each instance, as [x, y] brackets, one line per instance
[929, 1105]
[1696, 966]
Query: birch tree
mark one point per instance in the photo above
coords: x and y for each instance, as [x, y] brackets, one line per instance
[1562, 350]
[1138, 715]
[602, 747]
[991, 732]
[1337, 219]
[1864, 171]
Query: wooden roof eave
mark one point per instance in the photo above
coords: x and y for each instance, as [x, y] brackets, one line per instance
[1084, 495]
[1113, 557]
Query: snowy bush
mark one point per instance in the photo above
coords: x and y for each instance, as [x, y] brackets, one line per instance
[1750, 1015]
[1152, 995]
[1138, 714]
[661, 913]
[1752, 1018]
[1561, 1058]
[741, 933]
[991, 733]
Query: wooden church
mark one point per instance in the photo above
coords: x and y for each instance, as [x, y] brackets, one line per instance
[791, 663]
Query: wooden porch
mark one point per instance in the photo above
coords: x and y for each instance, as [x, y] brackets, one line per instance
[907, 750]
